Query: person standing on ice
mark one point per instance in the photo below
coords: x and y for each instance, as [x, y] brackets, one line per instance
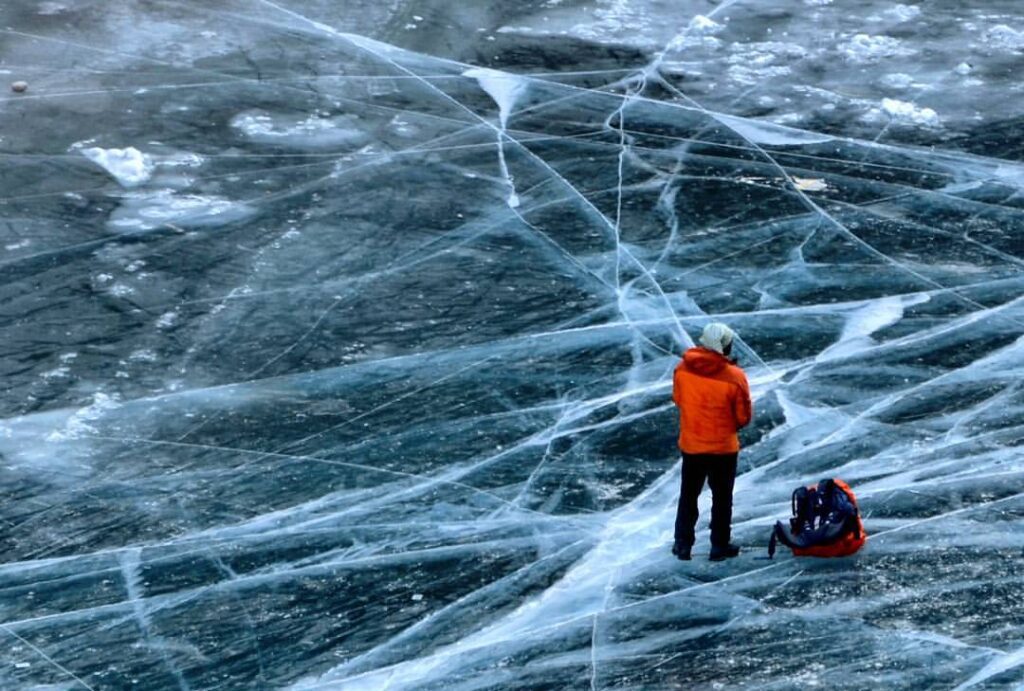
[713, 397]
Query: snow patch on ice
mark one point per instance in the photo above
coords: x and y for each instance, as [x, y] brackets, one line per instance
[704, 25]
[865, 48]
[898, 80]
[867, 320]
[769, 133]
[901, 13]
[1004, 37]
[80, 422]
[401, 127]
[904, 111]
[167, 320]
[129, 166]
[616, 20]
[143, 355]
[62, 370]
[751, 63]
[56, 373]
[148, 210]
[312, 132]
[1010, 173]
[181, 159]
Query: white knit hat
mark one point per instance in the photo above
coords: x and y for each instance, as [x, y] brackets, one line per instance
[716, 337]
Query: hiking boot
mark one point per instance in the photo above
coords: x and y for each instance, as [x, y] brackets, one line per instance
[724, 552]
[681, 551]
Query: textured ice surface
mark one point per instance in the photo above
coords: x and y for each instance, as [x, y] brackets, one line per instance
[337, 341]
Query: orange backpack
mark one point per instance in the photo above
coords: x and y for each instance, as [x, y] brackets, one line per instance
[825, 523]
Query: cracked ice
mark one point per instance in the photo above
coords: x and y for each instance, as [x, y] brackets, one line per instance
[338, 341]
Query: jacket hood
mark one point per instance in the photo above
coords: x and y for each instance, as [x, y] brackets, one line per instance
[704, 361]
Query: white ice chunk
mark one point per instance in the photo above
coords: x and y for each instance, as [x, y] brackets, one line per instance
[909, 112]
[810, 184]
[704, 25]
[503, 88]
[167, 320]
[130, 167]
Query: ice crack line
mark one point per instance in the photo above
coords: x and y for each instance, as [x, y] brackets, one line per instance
[132, 582]
[507, 98]
[46, 657]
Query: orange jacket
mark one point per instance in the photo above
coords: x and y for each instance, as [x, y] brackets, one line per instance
[714, 402]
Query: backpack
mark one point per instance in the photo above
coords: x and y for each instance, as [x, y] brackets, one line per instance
[825, 523]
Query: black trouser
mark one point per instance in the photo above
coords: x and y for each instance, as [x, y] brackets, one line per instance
[720, 472]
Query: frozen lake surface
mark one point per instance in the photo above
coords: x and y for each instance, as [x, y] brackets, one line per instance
[337, 340]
